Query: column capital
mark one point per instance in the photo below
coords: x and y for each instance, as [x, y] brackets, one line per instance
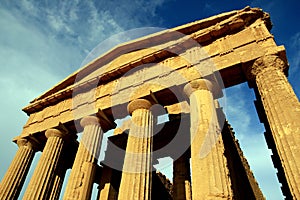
[199, 84]
[27, 142]
[53, 132]
[264, 63]
[104, 122]
[138, 104]
[89, 120]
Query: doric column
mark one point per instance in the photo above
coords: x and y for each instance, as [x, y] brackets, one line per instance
[14, 178]
[65, 162]
[137, 169]
[282, 109]
[83, 172]
[182, 178]
[58, 179]
[210, 176]
[112, 164]
[107, 191]
[42, 179]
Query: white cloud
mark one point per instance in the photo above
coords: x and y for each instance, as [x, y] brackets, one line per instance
[43, 42]
[29, 7]
[27, 69]
[238, 104]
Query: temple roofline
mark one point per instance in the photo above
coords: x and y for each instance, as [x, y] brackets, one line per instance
[210, 26]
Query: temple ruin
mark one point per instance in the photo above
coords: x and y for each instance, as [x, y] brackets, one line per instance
[178, 73]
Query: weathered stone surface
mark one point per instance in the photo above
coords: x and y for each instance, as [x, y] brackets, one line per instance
[282, 109]
[107, 190]
[110, 178]
[84, 168]
[65, 162]
[237, 45]
[181, 179]
[227, 48]
[210, 176]
[14, 178]
[136, 182]
[182, 107]
[42, 179]
[244, 185]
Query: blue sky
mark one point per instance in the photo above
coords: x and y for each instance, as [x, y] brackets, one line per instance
[41, 42]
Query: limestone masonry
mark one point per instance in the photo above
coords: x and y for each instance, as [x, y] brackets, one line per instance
[180, 72]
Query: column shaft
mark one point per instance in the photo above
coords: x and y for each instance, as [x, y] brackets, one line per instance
[57, 184]
[282, 109]
[112, 165]
[42, 179]
[210, 176]
[181, 179]
[82, 175]
[14, 178]
[60, 173]
[106, 188]
[136, 180]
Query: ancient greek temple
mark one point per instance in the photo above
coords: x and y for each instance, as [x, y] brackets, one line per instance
[179, 75]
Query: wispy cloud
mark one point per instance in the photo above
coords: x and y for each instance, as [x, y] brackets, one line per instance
[86, 23]
[41, 42]
[235, 107]
[293, 54]
[52, 38]
[295, 51]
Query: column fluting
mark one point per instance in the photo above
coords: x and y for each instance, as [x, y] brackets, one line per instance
[15, 176]
[42, 179]
[210, 176]
[282, 109]
[136, 182]
[83, 172]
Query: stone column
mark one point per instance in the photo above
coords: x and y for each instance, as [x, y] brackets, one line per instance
[58, 180]
[112, 164]
[210, 176]
[282, 109]
[136, 179]
[15, 176]
[65, 162]
[83, 172]
[181, 178]
[106, 189]
[42, 179]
